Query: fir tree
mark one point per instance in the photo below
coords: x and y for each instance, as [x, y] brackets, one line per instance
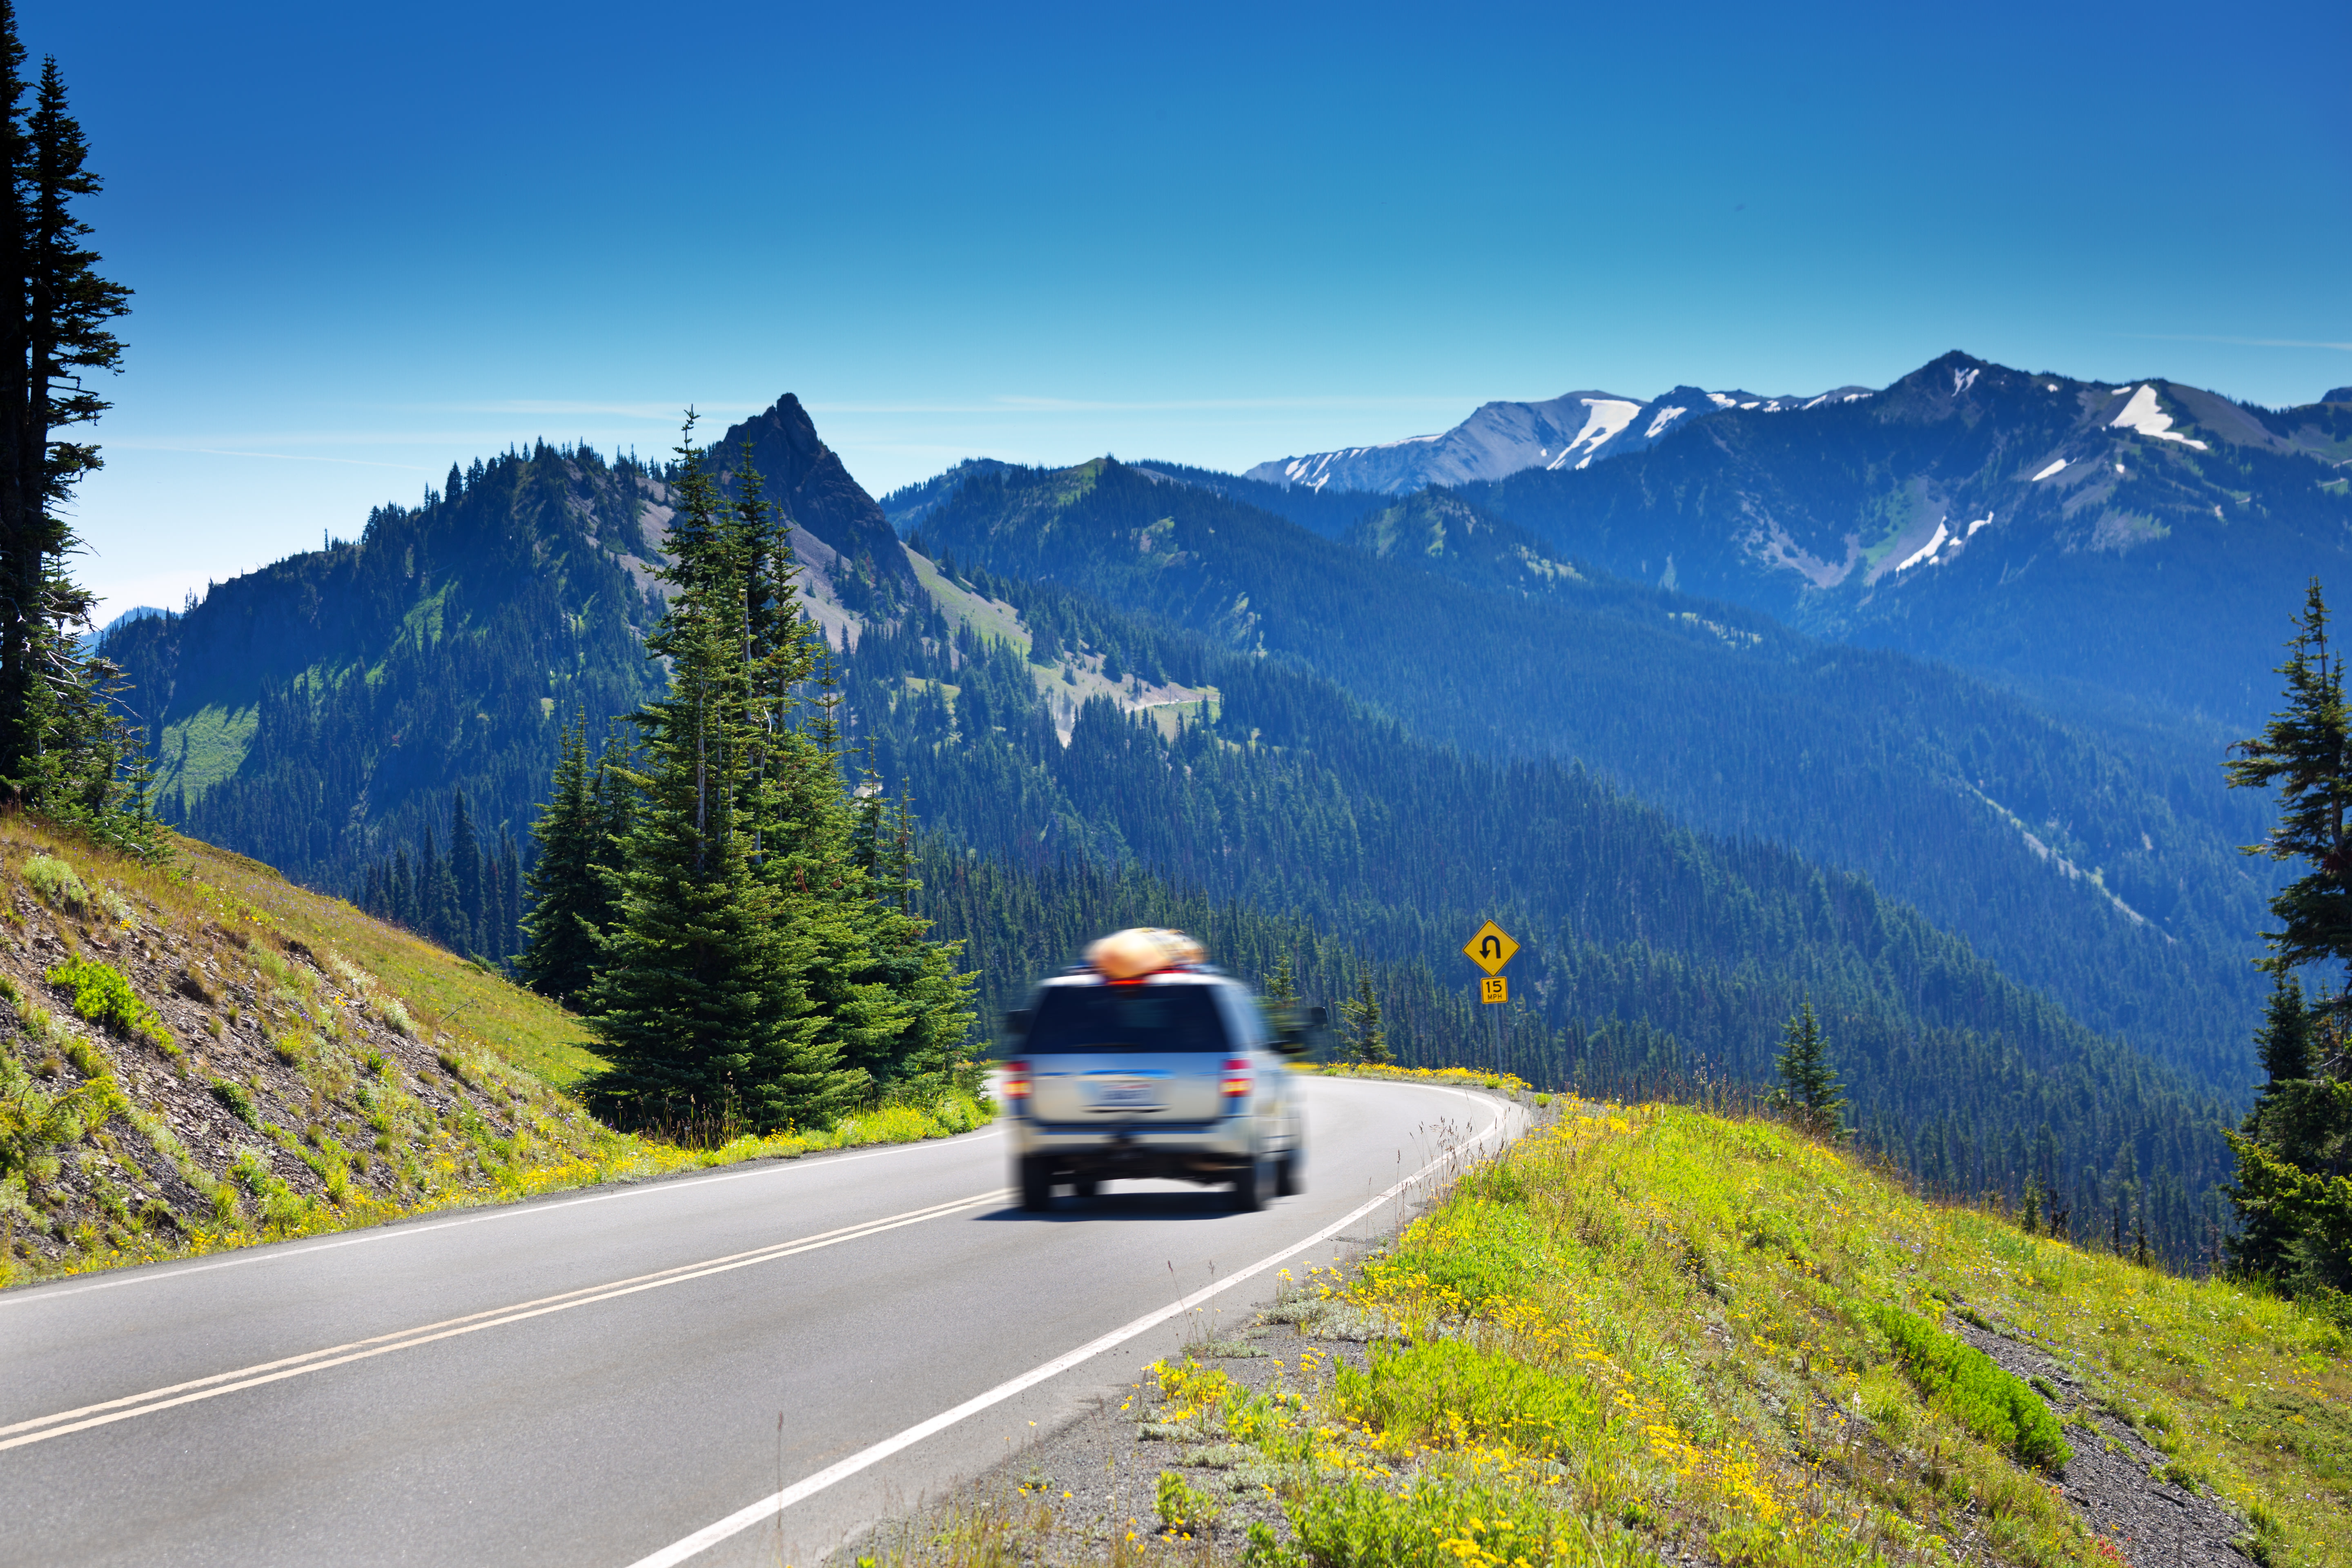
[703, 1008]
[1366, 1037]
[66, 746]
[1810, 1089]
[2293, 1187]
[1282, 986]
[466, 878]
[565, 885]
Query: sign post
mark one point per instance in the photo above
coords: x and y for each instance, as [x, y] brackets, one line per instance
[1490, 947]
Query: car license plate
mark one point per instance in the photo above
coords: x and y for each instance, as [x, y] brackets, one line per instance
[1123, 1091]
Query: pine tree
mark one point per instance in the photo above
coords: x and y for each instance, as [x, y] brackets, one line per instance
[66, 746]
[466, 878]
[1282, 986]
[703, 1007]
[1810, 1088]
[565, 885]
[2306, 752]
[2293, 1187]
[2283, 1044]
[1367, 1038]
[510, 895]
[401, 896]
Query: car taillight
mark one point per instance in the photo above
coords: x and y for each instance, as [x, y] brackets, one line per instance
[1016, 1080]
[1237, 1078]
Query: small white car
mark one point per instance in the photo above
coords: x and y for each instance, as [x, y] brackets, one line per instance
[1179, 1072]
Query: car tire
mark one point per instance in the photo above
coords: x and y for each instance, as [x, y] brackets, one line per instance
[1290, 1178]
[1250, 1184]
[1036, 1182]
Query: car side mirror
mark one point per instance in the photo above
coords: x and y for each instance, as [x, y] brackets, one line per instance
[1016, 1021]
[1318, 1017]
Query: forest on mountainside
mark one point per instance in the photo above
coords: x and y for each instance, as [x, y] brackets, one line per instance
[1953, 796]
[444, 653]
[353, 693]
[2093, 565]
[1295, 821]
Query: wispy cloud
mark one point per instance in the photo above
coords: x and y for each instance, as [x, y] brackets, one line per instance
[276, 456]
[2239, 342]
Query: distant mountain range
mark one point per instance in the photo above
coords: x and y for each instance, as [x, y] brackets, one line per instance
[1570, 432]
[2138, 543]
[1370, 716]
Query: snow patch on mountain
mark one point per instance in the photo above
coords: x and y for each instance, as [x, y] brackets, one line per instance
[1609, 418]
[2142, 416]
[1571, 431]
[1926, 550]
[2045, 473]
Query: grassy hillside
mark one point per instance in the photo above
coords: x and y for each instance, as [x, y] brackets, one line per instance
[200, 1055]
[1656, 1335]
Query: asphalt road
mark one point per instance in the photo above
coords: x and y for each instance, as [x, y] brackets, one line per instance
[744, 1367]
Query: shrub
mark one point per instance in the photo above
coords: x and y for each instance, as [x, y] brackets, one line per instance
[279, 1203]
[56, 883]
[231, 1093]
[103, 995]
[1993, 1405]
[1449, 1392]
[1182, 1506]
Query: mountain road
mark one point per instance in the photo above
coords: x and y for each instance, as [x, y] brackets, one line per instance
[746, 1365]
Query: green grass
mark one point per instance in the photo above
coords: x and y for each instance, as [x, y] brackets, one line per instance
[327, 984]
[1659, 1326]
[1994, 1404]
[215, 739]
[445, 994]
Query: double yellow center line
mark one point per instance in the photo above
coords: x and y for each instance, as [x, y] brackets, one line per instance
[40, 1429]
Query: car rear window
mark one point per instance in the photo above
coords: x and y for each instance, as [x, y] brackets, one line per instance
[1127, 1018]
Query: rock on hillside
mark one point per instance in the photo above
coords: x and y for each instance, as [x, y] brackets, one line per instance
[800, 474]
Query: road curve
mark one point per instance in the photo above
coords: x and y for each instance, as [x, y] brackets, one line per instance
[744, 1366]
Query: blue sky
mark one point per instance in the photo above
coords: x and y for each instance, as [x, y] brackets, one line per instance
[369, 241]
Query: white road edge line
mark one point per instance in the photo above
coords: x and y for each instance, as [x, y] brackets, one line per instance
[743, 1519]
[450, 1328]
[513, 1209]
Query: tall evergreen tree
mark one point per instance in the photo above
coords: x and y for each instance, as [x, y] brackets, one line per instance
[703, 1009]
[466, 877]
[565, 883]
[510, 882]
[2294, 1188]
[1808, 1086]
[64, 745]
[1367, 1037]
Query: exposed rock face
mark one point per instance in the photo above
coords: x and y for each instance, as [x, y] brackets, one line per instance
[800, 473]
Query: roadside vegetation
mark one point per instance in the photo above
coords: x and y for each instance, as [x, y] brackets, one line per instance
[196, 1054]
[1657, 1334]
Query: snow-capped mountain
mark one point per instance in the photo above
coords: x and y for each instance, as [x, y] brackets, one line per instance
[2144, 536]
[1570, 431]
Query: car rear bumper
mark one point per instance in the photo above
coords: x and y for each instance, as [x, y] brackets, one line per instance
[1201, 1152]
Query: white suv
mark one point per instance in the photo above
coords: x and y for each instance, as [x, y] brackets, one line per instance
[1177, 1073]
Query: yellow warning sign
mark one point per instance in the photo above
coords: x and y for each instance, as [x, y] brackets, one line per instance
[1490, 948]
[1495, 988]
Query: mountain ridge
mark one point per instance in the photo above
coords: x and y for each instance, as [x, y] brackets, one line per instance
[1571, 431]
